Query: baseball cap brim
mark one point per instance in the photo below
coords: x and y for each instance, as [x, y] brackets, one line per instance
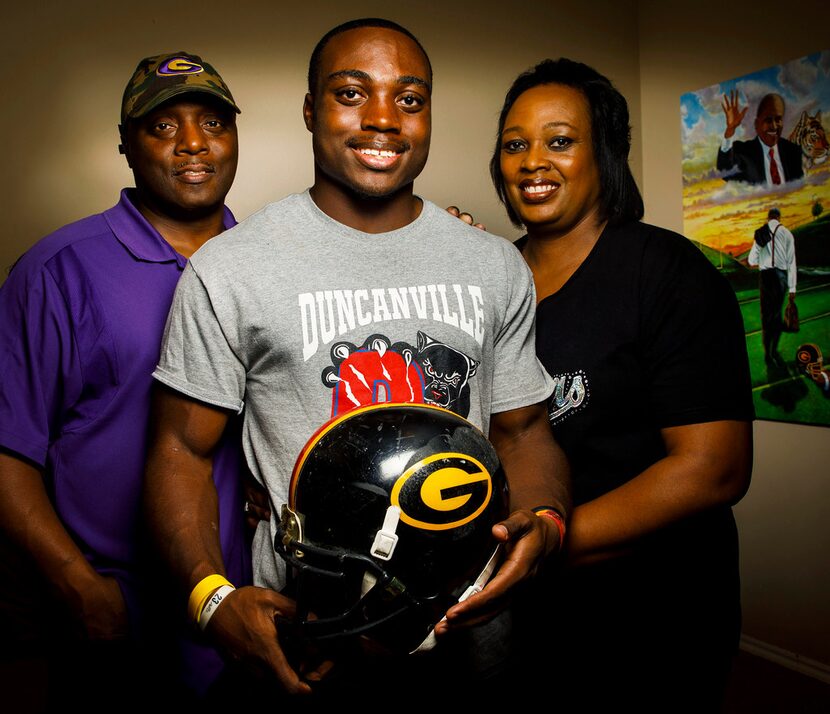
[158, 99]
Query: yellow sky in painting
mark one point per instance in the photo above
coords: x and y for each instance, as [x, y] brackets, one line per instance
[724, 215]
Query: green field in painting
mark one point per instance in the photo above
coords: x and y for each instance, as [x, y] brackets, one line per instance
[787, 395]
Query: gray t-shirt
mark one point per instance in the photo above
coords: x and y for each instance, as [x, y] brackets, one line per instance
[295, 318]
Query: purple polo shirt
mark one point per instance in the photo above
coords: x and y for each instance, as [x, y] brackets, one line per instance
[81, 319]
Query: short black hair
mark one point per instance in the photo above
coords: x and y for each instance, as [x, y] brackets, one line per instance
[620, 199]
[766, 99]
[314, 62]
[774, 213]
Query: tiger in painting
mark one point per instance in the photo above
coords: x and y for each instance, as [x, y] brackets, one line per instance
[809, 134]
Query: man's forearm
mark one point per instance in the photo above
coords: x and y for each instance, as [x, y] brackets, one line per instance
[537, 470]
[183, 514]
[31, 523]
[180, 500]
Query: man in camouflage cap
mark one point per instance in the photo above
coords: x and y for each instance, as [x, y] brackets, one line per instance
[159, 78]
[81, 318]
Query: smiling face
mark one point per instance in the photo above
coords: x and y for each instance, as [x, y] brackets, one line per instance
[183, 155]
[371, 115]
[770, 120]
[547, 159]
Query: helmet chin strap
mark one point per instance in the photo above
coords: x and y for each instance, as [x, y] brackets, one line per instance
[430, 641]
[383, 546]
[386, 539]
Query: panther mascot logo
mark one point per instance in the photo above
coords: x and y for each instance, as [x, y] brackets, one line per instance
[379, 371]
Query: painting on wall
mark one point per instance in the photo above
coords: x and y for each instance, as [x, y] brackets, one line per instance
[756, 200]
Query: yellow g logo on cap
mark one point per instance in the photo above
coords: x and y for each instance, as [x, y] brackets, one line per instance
[180, 65]
[442, 491]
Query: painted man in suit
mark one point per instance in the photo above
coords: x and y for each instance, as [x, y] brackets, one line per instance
[766, 159]
[773, 253]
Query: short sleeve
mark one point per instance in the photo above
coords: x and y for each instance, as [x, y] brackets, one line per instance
[195, 357]
[693, 339]
[519, 379]
[41, 376]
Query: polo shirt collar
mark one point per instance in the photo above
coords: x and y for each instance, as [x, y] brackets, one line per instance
[139, 237]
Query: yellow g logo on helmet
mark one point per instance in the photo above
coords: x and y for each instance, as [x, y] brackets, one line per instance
[442, 491]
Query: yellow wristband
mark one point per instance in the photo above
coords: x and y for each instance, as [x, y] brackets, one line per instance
[203, 590]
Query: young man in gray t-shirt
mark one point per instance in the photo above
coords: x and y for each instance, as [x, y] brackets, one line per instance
[275, 315]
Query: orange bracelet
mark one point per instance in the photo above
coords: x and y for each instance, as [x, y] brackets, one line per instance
[556, 516]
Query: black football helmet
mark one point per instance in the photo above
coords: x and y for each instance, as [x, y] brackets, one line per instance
[389, 523]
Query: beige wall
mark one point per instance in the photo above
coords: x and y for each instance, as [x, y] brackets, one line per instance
[63, 66]
[784, 521]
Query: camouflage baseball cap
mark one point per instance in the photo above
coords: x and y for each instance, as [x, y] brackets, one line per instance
[160, 77]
